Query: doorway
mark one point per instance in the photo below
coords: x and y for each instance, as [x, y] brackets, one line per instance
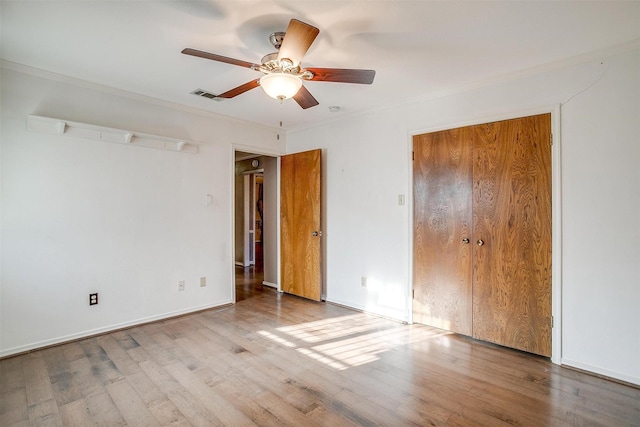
[255, 223]
[275, 214]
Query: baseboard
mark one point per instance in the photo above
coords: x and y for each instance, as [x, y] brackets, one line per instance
[364, 310]
[269, 284]
[15, 351]
[601, 372]
[395, 315]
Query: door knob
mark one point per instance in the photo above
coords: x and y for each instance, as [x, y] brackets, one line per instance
[465, 240]
[480, 242]
[316, 233]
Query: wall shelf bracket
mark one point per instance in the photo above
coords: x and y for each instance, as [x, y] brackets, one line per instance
[51, 125]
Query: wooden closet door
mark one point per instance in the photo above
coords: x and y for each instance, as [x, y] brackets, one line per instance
[512, 222]
[442, 184]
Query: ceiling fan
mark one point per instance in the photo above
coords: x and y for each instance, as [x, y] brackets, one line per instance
[283, 74]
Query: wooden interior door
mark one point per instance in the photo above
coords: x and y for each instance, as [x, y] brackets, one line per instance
[300, 207]
[512, 233]
[442, 185]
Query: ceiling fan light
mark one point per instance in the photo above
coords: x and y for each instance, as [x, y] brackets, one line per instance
[280, 85]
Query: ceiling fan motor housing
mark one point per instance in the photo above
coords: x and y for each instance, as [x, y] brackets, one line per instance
[271, 63]
[276, 39]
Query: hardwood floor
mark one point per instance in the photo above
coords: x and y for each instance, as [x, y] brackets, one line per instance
[249, 280]
[280, 360]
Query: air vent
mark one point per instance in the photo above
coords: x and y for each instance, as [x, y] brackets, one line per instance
[205, 94]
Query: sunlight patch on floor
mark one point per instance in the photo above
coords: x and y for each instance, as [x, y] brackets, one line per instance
[323, 330]
[348, 341]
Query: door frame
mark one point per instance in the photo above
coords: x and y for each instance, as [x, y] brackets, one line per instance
[249, 214]
[248, 231]
[556, 211]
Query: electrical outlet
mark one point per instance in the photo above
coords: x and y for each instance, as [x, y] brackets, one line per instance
[93, 299]
[181, 285]
[203, 282]
[363, 281]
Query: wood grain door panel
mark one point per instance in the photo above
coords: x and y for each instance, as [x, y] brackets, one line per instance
[492, 184]
[300, 238]
[442, 220]
[512, 216]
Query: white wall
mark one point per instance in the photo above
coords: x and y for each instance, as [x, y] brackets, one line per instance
[368, 234]
[81, 216]
[601, 223]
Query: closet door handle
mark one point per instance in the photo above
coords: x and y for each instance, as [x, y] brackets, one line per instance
[480, 242]
[465, 240]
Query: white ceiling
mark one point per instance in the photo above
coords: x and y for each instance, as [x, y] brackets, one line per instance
[418, 48]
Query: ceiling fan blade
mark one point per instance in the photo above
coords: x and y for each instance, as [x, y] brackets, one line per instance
[305, 99]
[240, 89]
[342, 75]
[297, 40]
[219, 58]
